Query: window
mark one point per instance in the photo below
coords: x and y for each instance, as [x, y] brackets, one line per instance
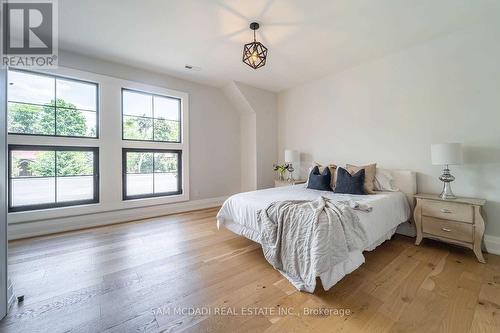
[151, 173]
[55, 117]
[155, 169]
[150, 117]
[47, 177]
[41, 107]
[42, 104]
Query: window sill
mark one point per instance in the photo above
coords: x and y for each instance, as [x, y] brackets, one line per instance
[73, 211]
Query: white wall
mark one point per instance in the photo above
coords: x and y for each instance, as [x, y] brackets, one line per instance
[259, 133]
[264, 105]
[248, 152]
[390, 110]
[248, 141]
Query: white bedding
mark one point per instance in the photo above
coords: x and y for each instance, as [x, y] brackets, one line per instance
[239, 214]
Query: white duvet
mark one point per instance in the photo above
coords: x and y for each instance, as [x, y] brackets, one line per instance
[239, 214]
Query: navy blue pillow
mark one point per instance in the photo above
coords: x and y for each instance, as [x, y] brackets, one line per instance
[350, 184]
[319, 181]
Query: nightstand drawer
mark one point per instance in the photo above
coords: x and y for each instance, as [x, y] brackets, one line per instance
[448, 229]
[447, 210]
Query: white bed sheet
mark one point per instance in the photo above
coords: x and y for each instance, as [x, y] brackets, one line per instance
[239, 214]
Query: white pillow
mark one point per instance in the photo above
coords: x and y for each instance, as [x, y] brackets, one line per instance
[384, 181]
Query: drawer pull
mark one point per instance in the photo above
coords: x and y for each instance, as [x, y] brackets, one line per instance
[446, 211]
[446, 229]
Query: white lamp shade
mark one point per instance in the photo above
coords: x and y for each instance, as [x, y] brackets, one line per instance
[291, 156]
[446, 153]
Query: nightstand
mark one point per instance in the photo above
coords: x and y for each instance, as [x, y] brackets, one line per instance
[457, 221]
[280, 183]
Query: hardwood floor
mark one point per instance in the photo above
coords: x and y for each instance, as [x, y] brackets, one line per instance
[127, 277]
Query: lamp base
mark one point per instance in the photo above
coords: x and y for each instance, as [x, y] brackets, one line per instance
[447, 194]
[447, 178]
[290, 170]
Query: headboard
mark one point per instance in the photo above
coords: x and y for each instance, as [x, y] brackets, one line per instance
[406, 181]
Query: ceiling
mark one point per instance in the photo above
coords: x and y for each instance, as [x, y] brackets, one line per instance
[306, 39]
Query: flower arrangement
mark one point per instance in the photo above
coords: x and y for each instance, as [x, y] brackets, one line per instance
[282, 168]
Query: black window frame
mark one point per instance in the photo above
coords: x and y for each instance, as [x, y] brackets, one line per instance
[152, 195]
[97, 111]
[153, 115]
[17, 147]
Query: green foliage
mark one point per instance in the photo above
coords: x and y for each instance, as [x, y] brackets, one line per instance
[167, 130]
[138, 162]
[33, 119]
[70, 121]
[44, 164]
[30, 119]
[136, 128]
[72, 163]
[15, 169]
[165, 162]
[69, 163]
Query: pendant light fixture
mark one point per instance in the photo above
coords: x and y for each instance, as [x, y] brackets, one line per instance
[254, 53]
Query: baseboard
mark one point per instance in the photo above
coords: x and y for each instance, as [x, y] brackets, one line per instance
[492, 244]
[39, 228]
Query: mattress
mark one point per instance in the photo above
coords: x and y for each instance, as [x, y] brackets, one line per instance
[239, 214]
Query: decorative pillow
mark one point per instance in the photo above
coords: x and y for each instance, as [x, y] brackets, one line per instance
[384, 181]
[333, 172]
[320, 181]
[370, 171]
[350, 184]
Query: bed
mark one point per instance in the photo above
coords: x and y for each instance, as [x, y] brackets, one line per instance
[390, 209]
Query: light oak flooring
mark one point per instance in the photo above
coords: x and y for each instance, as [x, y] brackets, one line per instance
[115, 278]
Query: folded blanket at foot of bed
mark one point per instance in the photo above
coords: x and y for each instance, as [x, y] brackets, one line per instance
[303, 239]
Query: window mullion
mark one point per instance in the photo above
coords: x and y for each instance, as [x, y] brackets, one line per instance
[153, 114]
[55, 106]
[55, 176]
[153, 172]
